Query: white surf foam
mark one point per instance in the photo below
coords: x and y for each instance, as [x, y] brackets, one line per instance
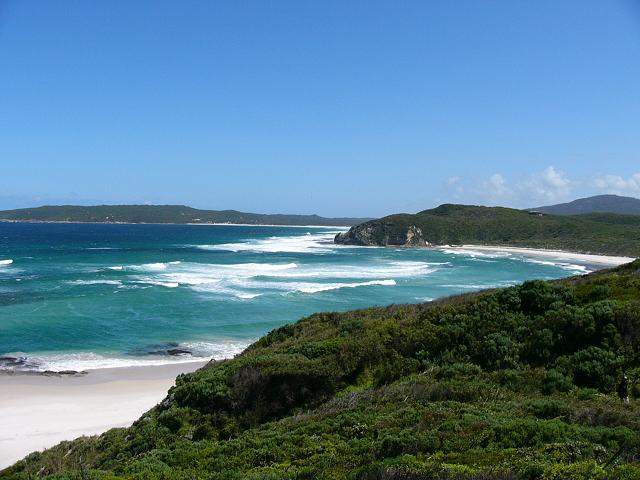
[396, 269]
[319, 287]
[224, 279]
[216, 350]
[151, 281]
[153, 266]
[564, 265]
[250, 280]
[7, 261]
[475, 253]
[228, 292]
[94, 282]
[479, 286]
[93, 361]
[247, 296]
[309, 287]
[309, 243]
[145, 267]
[484, 256]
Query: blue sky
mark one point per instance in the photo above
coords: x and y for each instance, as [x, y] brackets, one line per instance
[332, 107]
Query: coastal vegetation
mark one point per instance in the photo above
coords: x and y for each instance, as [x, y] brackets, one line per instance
[161, 214]
[515, 383]
[449, 224]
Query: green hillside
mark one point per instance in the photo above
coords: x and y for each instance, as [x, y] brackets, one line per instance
[517, 383]
[161, 214]
[449, 224]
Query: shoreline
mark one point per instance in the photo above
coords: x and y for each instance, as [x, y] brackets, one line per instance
[40, 411]
[587, 258]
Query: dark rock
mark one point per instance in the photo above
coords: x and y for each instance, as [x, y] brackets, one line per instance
[60, 373]
[163, 349]
[10, 363]
[178, 351]
[12, 360]
[383, 234]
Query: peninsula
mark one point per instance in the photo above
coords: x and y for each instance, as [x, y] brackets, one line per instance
[450, 224]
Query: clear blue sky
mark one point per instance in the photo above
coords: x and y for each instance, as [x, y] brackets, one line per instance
[328, 107]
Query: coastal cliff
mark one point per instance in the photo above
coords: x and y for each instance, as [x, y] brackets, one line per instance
[382, 234]
[448, 224]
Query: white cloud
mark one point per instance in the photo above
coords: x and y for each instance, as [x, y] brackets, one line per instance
[545, 187]
[619, 185]
[498, 183]
[495, 188]
[550, 185]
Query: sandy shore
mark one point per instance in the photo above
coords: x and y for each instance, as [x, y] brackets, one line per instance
[37, 412]
[581, 258]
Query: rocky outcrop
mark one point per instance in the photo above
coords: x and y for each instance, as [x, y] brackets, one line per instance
[414, 237]
[383, 234]
[10, 365]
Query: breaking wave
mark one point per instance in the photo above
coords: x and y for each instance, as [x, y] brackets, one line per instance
[475, 253]
[59, 362]
[310, 243]
[247, 281]
[94, 282]
[564, 265]
[518, 256]
[324, 287]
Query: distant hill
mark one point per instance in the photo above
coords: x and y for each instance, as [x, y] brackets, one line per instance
[597, 204]
[161, 214]
[601, 233]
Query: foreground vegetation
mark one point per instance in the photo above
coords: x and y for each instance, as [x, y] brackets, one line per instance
[600, 233]
[161, 214]
[517, 383]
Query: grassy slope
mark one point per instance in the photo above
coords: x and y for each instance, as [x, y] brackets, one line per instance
[457, 224]
[160, 214]
[505, 384]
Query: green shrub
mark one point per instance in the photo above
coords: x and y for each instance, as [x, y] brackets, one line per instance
[555, 381]
[548, 408]
[577, 471]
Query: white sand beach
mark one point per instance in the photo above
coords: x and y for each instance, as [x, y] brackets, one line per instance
[37, 412]
[601, 261]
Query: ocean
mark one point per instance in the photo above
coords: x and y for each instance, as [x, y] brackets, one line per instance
[85, 296]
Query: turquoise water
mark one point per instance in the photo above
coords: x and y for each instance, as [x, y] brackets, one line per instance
[79, 296]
